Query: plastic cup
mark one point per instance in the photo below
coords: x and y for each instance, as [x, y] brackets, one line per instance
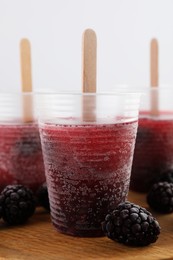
[21, 160]
[88, 143]
[153, 154]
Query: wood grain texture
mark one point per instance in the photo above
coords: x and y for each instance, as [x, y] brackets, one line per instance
[39, 240]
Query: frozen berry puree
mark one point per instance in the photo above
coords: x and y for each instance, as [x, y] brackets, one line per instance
[21, 159]
[88, 171]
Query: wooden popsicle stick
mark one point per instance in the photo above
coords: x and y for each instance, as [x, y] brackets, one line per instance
[25, 56]
[89, 61]
[26, 78]
[154, 76]
[89, 67]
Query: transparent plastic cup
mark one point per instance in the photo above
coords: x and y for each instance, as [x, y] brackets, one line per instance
[154, 144]
[88, 143]
[21, 160]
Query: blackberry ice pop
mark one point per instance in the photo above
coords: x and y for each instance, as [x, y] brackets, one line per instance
[21, 159]
[88, 142]
[154, 144]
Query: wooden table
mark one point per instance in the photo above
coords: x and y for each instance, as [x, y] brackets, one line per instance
[39, 240]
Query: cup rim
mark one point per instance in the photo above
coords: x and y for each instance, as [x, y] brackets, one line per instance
[54, 93]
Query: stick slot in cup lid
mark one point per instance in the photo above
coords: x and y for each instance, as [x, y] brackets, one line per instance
[89, 67]
[26, 78]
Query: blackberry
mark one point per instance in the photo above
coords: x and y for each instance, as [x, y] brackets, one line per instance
[42, 197]
[17, 203]
[28, 145]
[131, 225]
[160, 197]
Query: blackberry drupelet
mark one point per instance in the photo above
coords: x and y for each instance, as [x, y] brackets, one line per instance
[42, 197]
[131, 225]
[160, 197]
[17, 204]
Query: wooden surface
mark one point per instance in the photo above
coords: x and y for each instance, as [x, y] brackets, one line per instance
[39, 240]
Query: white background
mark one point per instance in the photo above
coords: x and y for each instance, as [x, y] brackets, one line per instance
[124, 29]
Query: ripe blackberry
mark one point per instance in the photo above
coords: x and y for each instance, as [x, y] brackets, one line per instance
[160, 197]
[132, 225]
[42, 197]
[17, 204]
